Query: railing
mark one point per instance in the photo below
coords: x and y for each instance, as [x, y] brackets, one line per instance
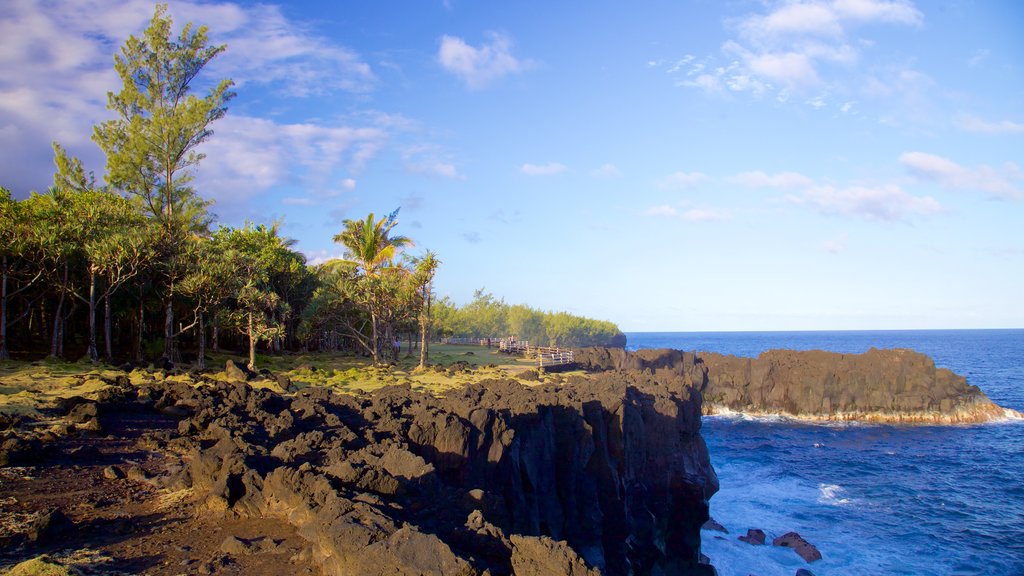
[550, 359]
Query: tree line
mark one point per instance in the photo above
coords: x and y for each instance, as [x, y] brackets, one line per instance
[133, 268]
[488, 317]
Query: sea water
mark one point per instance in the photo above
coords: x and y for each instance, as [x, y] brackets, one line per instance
[874, 499]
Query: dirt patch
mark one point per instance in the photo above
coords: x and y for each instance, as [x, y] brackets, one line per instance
[93, 502]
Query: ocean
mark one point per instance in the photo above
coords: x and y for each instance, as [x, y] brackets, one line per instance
[874, 499]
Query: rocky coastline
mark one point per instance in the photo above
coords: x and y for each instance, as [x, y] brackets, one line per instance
[883, 386]
[599, 475]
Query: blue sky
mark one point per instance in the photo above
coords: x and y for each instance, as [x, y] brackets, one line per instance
[701, 165]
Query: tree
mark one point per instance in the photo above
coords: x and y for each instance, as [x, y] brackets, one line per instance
[252, 252]
[14, 232]
[151, 145]
[372, 249]
[426, 267]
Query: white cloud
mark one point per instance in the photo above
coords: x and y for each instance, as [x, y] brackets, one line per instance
[478, 66]
[782, 180]
[679, 180]
[250, 155]
[894, 11]
[688, 215]
[548, 169]
[835, 245]
[607, 171]
[703, 215]
[981, 126]
[56, 69]
[442, 169]
[1001, 183]
[663, 210]
[887, 202]
[795, 45]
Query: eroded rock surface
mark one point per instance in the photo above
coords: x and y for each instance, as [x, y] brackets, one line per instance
[895, 385]
[604, 475]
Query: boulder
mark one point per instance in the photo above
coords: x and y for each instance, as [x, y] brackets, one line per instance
[754, 536]
[542, 556]
[805, 549]
[711, 524]
[237, 371]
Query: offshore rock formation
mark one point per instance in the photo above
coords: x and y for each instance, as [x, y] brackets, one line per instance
[880, 385]
[607, 475]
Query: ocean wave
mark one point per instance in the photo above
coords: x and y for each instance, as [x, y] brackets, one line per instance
[831, 494]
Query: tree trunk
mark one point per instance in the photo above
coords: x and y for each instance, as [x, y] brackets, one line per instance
[375, 345]
[138, 334]
[58, 319]
[201, 360]
[108, 337]
[425, 333]
[4, 354]
[169, 330]
[252, 345]
[93, 353]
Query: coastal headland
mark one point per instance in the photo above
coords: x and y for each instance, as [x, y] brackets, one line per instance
[893, 386]
[491, 470]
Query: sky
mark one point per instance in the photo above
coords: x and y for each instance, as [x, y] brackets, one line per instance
[667, 165]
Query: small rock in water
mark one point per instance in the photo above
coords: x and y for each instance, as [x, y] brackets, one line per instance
[804, 572]
[805, 549]
[754, 536]
[711, 524]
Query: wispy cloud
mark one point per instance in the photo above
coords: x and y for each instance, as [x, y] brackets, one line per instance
[478, 66]
[882, 202]
[836, 244]
[607, 171]
[1001, 183]
[687, 214]
[887, 202]
[681, 180]
[250, 155]
[795, 46]
[782, 180]
[974, 124]
[549, 169]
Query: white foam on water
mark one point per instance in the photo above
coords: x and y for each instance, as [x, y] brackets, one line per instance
[831, 495]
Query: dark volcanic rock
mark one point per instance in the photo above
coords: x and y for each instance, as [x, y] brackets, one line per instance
[542, 556]
[754, 536]
[805, 549]
[888, 385]
[238, 371]
[883, 385]
[607, 474]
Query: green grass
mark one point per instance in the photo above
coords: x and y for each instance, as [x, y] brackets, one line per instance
[26, 387]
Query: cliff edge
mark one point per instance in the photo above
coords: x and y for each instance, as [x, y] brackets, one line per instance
[608, 475]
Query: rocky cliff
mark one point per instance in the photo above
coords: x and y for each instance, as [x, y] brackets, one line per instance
[880, 385]
[606, 475]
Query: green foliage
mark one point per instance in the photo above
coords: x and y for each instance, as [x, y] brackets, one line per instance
[487, 317]
[151, 145]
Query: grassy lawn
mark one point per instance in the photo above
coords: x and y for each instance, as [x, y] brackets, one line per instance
[25, 386]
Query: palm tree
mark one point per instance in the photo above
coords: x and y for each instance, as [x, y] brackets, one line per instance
[371, 248]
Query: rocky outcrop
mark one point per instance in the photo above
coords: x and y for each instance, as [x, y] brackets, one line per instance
[880, 385]
[896, 385]
[605, 475]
